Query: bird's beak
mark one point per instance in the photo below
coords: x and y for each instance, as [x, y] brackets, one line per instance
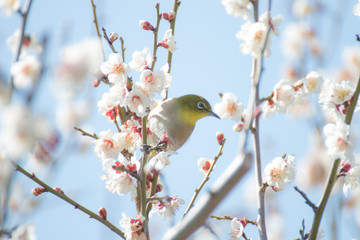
[213, 114]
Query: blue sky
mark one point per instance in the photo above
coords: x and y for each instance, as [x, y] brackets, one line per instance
[208, 61]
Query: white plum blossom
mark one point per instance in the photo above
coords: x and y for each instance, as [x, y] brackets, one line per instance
[297, 39]
[253, 35]
[141, 60]
[352, 179]
[105, 146]
[21, 130]
[168, 41]
[133, 228]
[229, 107]
[166, 209]
[9, 6]
[312, 82]
[26, 71]
[129, 138]
[115, 69]
[268, 108]
[157, 80]
[336, 138]
[30, 43]
[334, 95]
[237, 229]
[356, 9]
[76, 62]
[137, 101]
[284, 95]
[351, 59]
[238, 8]
[118, 93]
[302, 8]
[117, 181]
[159, 161]
[205, 164]
[107, 106]
[24, 232]
[280, 172]
[275, 22]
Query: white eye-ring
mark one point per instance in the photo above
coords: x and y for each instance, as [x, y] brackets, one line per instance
[201, 105]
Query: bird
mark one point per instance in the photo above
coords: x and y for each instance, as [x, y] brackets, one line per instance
[174, 119]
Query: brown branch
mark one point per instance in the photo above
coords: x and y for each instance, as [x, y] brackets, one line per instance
[207, 177]
[108, 41]
[97, 28]
[307, 200]
[86, 134]
[69, 200]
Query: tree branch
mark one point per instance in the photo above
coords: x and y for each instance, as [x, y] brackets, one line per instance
[207, 177]
[69, 200]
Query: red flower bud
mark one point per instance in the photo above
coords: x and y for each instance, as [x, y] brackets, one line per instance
[113, 37]
[220, 137]
[58, 190]
[96, 83]
[165, 16]
[102, 212]
[146, 25]
[37, 191]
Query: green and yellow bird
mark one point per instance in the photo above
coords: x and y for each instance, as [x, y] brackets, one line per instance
[176, 117]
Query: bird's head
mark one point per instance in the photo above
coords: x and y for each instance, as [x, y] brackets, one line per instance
[194, 107]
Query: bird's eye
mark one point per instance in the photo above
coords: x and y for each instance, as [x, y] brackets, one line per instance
[201, 105]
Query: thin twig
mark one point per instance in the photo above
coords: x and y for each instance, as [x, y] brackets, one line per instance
[172, 26]
[156, 32]
[97, 28]
[207, 177]
[307, 200]
[122, 48]
[69, 200]
[86, 134]
[302, 231]
[267, 98]
[108, 40]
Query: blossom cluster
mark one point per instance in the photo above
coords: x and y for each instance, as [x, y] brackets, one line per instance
[286, 95]
[256, 36]
[280, 172]
[126, 103]
[27, 69]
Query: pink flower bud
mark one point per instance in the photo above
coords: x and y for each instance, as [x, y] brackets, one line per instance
[102, 212]
[113, 37]
[345, 167]
[165, 16]
[96, 83]
[171, 15]
[58, 190]
[159, 188]
[238, 127]
[220, 137]
[146, 25]
[37, 191]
